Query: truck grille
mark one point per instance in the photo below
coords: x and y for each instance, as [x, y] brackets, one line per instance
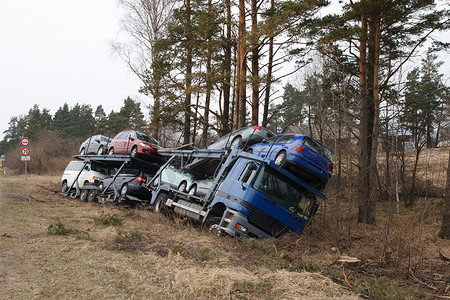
[263, 221]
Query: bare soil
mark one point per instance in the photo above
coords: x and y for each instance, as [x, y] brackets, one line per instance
[52, 246]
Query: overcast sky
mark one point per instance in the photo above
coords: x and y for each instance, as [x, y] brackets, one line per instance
[55, 51]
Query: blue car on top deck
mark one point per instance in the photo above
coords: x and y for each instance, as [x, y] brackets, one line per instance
[301, 155]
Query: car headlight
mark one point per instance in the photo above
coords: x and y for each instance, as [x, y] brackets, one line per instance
[145, 145]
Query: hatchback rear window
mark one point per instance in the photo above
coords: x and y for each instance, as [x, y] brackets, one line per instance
[317, 147]
[147, 138]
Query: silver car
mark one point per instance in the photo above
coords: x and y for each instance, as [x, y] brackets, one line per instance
[175, 177]
[96, 144]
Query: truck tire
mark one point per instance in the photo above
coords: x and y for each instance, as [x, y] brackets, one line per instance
[92, 196]
[84, 195]
[212, 225]
[159, 205]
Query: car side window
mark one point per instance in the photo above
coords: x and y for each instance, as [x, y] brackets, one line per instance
[248, 173]
[78, 166]
[70, 166]
[286, 139]
[123, 135]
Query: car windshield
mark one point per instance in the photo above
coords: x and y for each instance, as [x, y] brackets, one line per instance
[316, 146]
[146, 138]
[285, 192]
[101, 168]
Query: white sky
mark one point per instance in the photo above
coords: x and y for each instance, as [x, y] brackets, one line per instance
[56, 51]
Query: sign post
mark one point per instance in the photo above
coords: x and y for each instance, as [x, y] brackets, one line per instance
[25, 151]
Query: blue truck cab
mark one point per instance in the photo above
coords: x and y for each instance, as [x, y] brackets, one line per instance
[250, 197]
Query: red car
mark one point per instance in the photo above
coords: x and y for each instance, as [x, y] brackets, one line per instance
[136, 144]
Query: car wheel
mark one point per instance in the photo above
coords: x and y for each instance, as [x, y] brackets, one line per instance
[159, 205]
[182, 186]
[64, 187]
[212, 225]
[84, 195]
[280, 159]
[193, 190]
[134, 152]
[92, 196]
[111, 151]
[236, 142]
[124, 191]
[100, 150]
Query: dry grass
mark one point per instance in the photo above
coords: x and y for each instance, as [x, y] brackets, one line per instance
[101, 251]
[145, 255]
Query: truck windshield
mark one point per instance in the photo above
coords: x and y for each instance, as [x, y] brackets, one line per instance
[285, 192]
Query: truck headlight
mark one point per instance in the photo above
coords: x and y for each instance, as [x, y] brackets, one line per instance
[241, 228]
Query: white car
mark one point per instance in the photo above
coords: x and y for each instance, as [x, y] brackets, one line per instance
[92, 171]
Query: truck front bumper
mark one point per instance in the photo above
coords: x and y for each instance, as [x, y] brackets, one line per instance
[236, 224]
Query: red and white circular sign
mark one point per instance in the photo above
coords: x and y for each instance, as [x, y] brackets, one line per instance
[25, 151]
[25, 142]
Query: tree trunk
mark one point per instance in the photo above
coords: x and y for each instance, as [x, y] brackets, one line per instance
[445, 230]
[365, 140]
[239, 109]
[255, 65]
[187, 103]
[209, 79]
[225, 128]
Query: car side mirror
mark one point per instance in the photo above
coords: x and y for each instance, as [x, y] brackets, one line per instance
[97, 140]
[131, 138]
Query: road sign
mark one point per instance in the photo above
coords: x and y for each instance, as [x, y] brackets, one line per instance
[24, 158]
[25, 151]
[3, 157]
[25, 142]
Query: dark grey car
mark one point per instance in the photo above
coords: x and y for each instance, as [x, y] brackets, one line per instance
[97, 144]
[129, 182]
[244, 137]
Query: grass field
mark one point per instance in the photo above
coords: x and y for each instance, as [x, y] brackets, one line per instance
[52, 246]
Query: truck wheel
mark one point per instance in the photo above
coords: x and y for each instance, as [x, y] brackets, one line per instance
[92, 196]
[159, 205]
[64, 187]
[84, 195]
[212, 225]
[280, 159]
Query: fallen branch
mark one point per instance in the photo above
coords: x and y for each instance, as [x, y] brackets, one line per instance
[420, 281]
